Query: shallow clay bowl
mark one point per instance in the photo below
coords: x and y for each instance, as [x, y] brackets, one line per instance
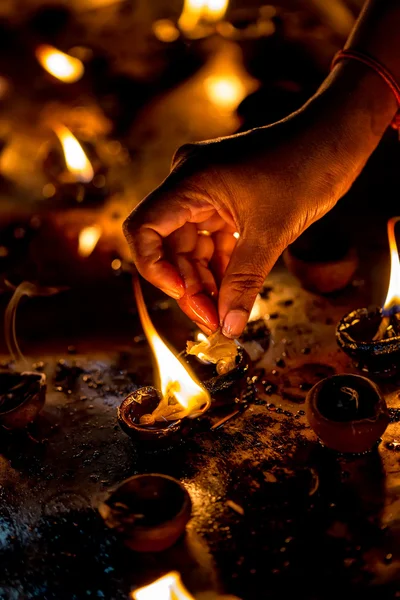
[354, 335]
[22, 397]
[322, 277]
[149, 512]
[347, 412]
[141, 402]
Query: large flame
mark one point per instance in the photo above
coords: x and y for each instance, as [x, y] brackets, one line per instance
[174, 377]
[169, 587]
[88, 238]
[62, 66]
[195, 11]
[392, 302]
[76, 160]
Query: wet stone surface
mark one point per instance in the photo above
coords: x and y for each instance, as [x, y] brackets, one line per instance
[273, 510]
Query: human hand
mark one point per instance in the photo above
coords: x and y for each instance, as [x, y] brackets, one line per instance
[268, 185]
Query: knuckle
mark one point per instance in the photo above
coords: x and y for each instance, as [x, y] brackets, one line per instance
[240, 282]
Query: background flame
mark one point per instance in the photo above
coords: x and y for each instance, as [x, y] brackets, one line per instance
[168, 587]
[171, 372]
[393, 295]
[88, 238]
[195, 11]
[63, 66]
[76, 160]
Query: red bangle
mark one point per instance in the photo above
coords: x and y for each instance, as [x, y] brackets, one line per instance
[380, 69]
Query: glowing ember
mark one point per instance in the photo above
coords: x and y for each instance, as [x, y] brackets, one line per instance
[169, 587]
[76, 160]
[195, 11]
[175, 381]
[392, 302]
[88, 238]
[225, 91]
[60, 65]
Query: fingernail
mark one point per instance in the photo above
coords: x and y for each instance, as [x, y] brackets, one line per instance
[234, 323]
[174, 293]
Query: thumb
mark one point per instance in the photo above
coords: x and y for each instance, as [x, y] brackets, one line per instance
[250, 263]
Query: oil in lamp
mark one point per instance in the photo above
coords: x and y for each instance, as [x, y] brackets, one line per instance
[347, 412]
[149, 415]
[149, 512]
[371, 336]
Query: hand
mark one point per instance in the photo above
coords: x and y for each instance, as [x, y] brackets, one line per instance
[268, 185]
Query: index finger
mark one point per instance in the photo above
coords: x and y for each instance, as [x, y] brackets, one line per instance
[156, 217]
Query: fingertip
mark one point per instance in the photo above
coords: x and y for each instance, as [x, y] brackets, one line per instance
[201, 309]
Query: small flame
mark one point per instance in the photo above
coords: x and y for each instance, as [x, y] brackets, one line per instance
[63, 66]
[88, 238]
[195, 11]
[76, 160]
[225, 91]
[168, 587]
[173, 375]
[392, 301]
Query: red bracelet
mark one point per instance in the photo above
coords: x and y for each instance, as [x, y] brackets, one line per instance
[380, 69]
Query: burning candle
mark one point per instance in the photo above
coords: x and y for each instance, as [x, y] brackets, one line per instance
[88, 238]
[62, 66]
[196, 12]
[372, 336]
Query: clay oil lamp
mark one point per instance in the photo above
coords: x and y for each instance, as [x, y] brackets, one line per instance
[347, 412]
[371, 336]
[149, 512]
[22, 397]
[218, 362]
[158, 415]
[322, 267]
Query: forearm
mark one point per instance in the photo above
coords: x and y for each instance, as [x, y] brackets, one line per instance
[354, 103]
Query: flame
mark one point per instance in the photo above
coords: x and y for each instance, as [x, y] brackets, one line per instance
[225, 91]
[173, 375]
[195, 11]
[62, 66]
[393, 296]
[88, 238]
[168, 587]
[76, 160]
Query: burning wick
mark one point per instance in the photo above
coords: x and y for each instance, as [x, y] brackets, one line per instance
[391, 306]
[182, 394]
[88, 238]
[64, 67]
[168, 587]
[76, 160]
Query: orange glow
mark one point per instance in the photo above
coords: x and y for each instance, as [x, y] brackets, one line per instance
[165, 30]
[225, 91]
[169, 587]
[174, 378]
[393, 295]
[76, 160]
[88, 238]
[196, 11]
[62, 66]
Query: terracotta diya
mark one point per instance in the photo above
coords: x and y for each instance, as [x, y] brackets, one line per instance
[156, 415]
[149, 512]
[347, 412]
[371, 336]
[22, 397]
[322, 265]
